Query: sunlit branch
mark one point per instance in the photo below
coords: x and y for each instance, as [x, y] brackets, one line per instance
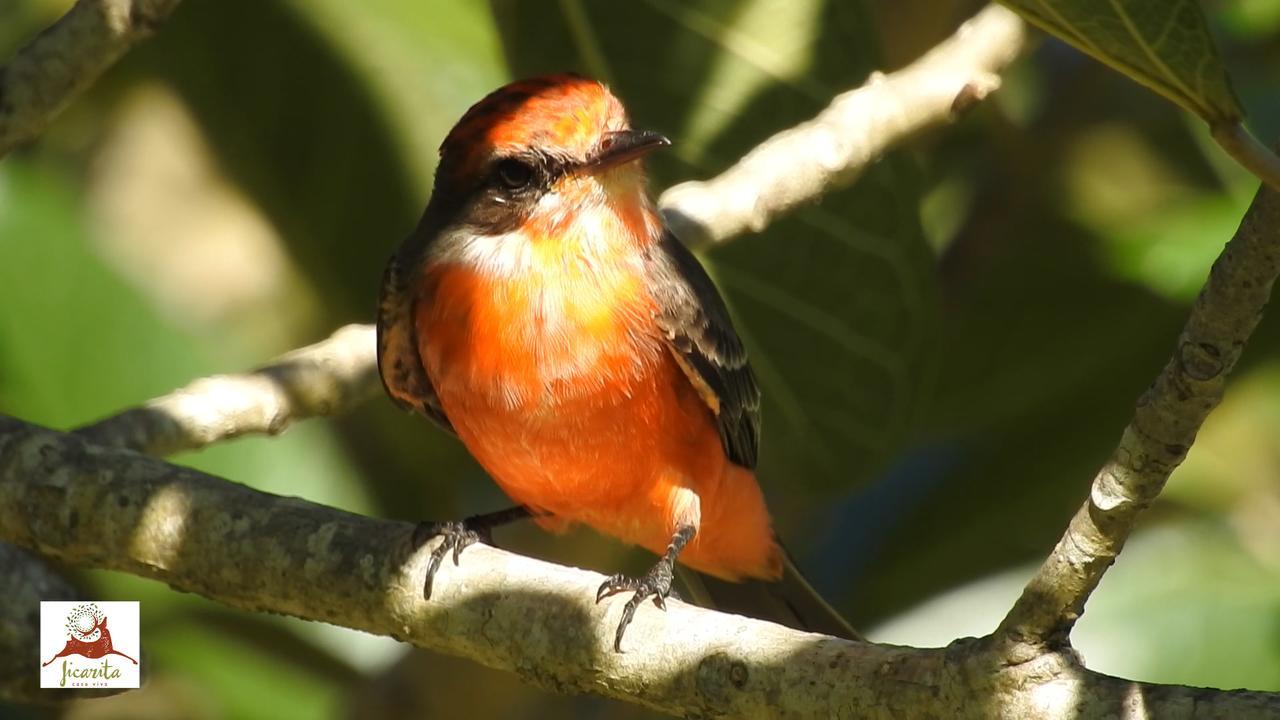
[327, 378]
[65, 59]
[799, 164]
[1163, 428]
[114, 509]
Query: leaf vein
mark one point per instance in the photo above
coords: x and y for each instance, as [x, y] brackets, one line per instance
[1159, 64]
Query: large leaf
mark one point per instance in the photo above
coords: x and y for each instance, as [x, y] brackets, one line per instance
[1163, 44]
[834, 302]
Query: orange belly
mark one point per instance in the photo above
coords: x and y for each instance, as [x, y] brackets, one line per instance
[576, 411]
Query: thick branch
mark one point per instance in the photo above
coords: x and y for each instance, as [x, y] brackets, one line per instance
[327, 378]
[798, 165]
[1163, 428]
[115, 509]
[64, 60]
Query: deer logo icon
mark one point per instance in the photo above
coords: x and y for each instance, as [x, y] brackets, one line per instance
[87, 635]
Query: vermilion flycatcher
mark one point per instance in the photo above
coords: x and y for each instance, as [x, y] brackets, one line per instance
[542, 313]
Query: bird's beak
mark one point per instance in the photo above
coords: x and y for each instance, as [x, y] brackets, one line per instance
[624, 146]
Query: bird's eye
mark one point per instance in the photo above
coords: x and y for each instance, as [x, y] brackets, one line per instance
[513, 174]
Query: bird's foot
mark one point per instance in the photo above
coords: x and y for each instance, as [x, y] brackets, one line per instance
[655, 584]
[457, 535]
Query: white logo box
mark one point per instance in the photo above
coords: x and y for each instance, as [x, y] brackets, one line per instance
[89, 645]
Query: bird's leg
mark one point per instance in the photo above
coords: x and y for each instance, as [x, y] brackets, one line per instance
[456, 535]
[654, 584]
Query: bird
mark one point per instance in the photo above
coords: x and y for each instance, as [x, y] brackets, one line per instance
[543, 313]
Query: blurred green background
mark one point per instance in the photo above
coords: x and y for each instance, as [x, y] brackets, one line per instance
[948, 348]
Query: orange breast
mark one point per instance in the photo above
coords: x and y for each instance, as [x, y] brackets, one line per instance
[566, 395]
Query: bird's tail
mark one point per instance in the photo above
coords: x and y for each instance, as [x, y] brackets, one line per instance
[789, 601]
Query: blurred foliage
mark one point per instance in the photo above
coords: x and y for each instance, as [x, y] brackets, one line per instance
[949, 348]
[1205, 605]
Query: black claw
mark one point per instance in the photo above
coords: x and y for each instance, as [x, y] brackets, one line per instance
[614, 585]
[457, 535]
[655, 584]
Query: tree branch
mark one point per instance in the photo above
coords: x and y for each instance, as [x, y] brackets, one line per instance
[64, 60]
[327, 378]
[1163, 428]
[114, 509]
[798, 165]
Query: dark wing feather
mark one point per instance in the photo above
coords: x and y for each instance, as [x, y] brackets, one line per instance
[701, 337]
[399, 364]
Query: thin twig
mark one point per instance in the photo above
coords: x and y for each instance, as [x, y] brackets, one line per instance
[64, 60]
[800, 164]
[1163, 428]
[327, 378]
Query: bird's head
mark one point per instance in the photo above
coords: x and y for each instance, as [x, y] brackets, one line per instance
[543, 157]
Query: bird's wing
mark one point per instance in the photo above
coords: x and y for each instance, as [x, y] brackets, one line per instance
[403, 373]
[701, 337]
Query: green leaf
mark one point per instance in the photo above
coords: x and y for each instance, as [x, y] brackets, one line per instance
[1163, 44]
[835, 302]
